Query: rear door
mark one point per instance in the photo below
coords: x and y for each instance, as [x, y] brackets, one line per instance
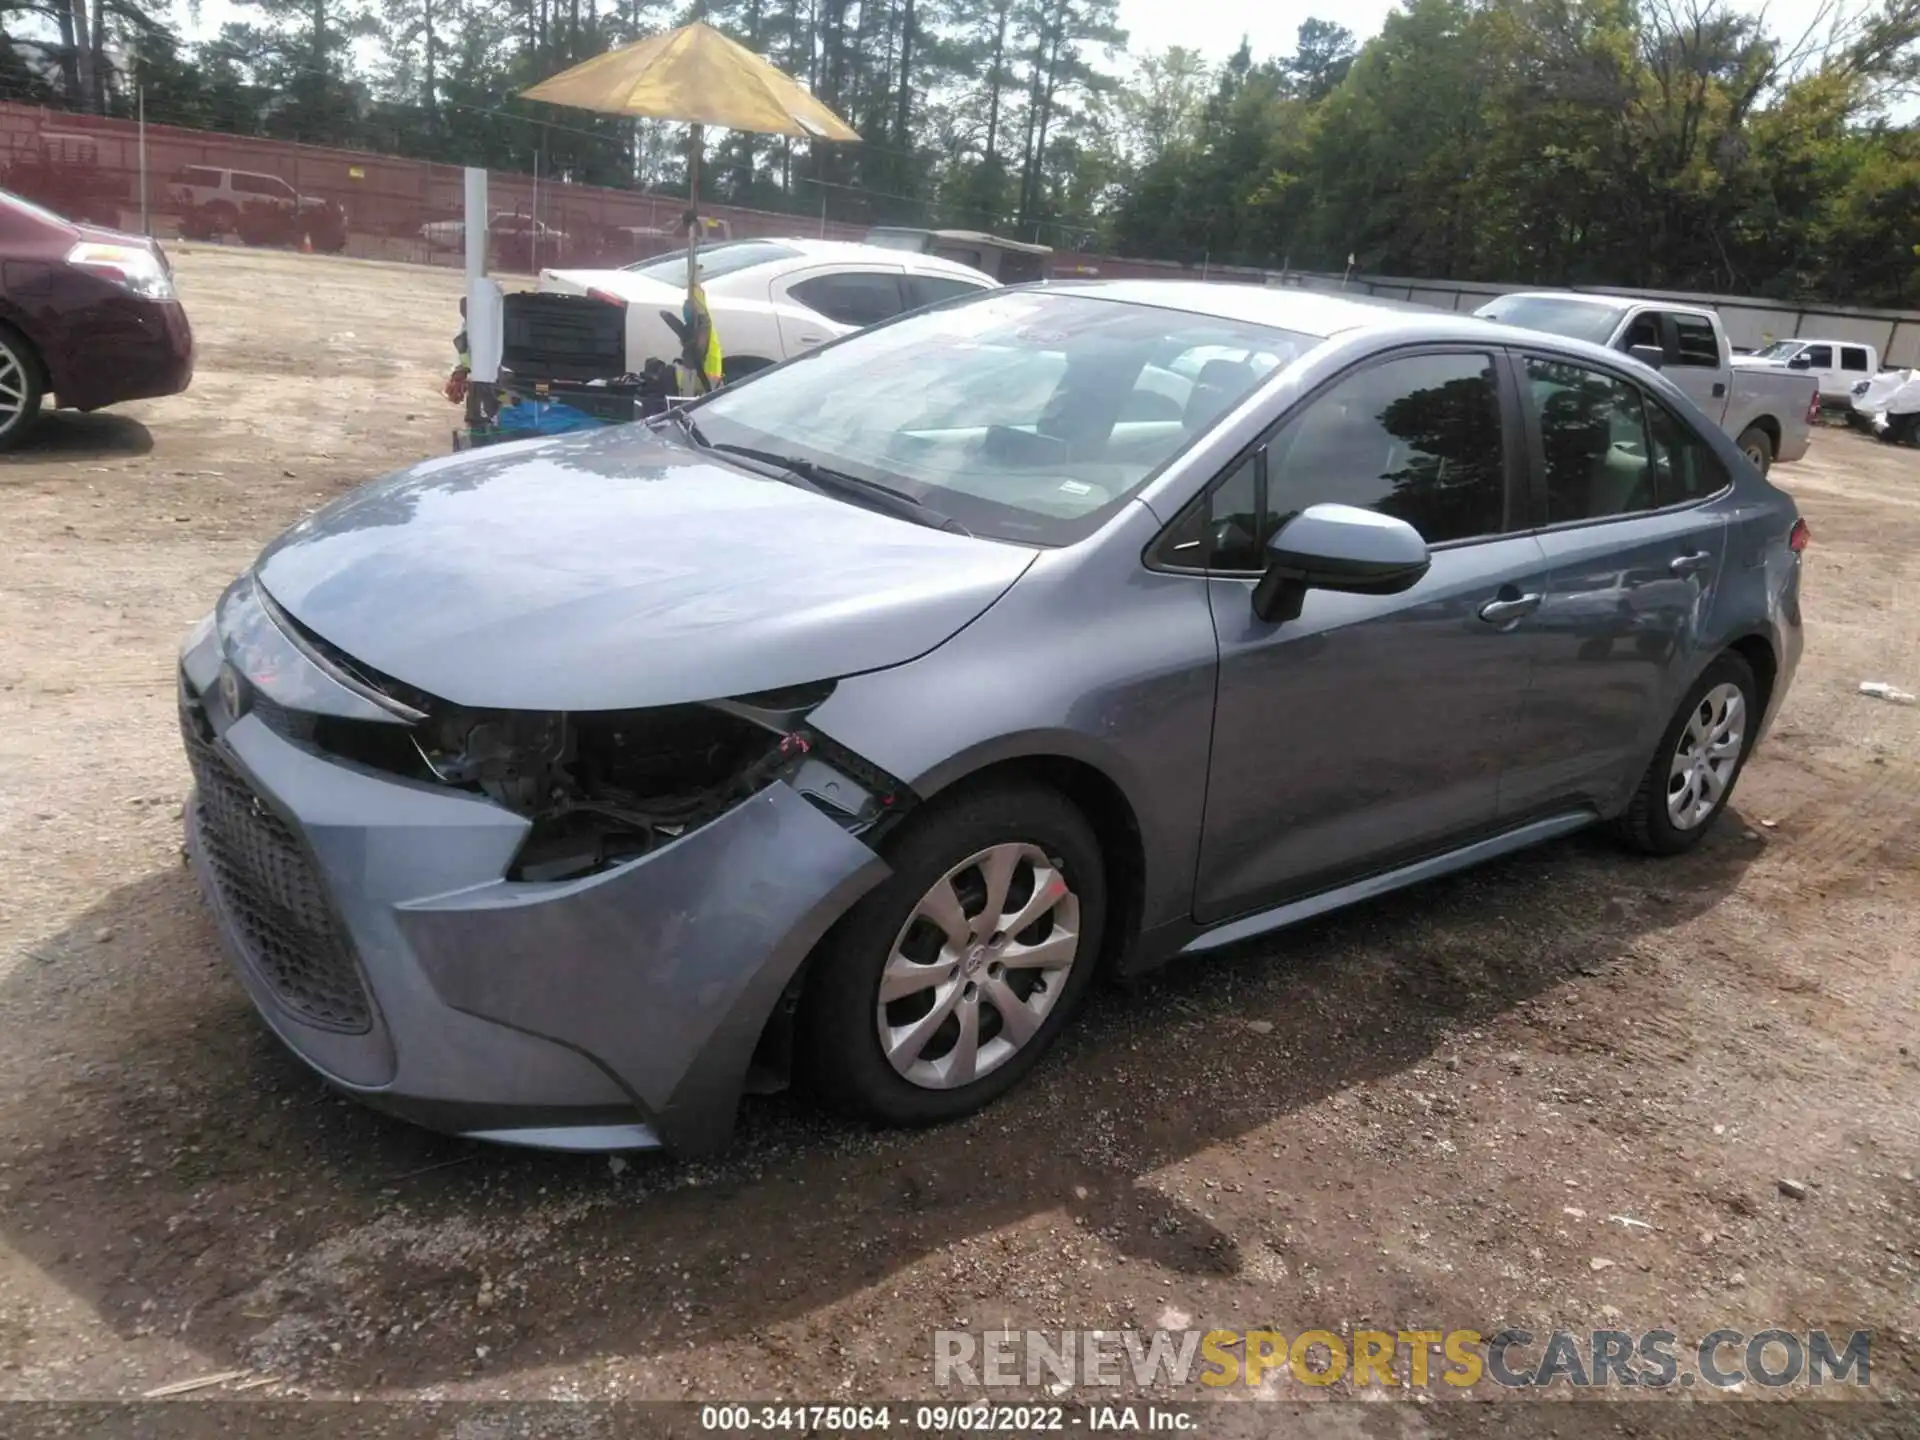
[825, 301]
[1372, 728]
[1622, 495]
[1694, 360]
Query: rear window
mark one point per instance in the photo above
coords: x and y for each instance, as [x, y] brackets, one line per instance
[715, 260]
[1694, 341]
[1576, 319]
[26, 209]
[1853, 357]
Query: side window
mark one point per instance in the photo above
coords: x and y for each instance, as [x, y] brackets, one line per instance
[1853, 357]
[1593, 439]
[854, 298]
[1820, 357]
[932, 289]
[1645, 330]
[1684, 466]
[1695, 342]
[1417, 438]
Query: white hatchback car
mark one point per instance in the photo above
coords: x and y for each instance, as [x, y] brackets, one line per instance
[771, 299]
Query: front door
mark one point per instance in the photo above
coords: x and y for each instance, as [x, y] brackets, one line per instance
[1634, 544]
[1370, 729]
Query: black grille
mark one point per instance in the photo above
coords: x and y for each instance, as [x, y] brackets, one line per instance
[273, 896]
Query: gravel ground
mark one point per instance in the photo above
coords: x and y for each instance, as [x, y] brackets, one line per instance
[1440, 1111]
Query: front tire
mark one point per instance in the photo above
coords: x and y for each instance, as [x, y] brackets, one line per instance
[20, 389]
[1757, 446]
[942, 988]
[1697, 763]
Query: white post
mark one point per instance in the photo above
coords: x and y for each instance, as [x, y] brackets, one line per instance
[476, 225]
[140, 94]
[533, 220]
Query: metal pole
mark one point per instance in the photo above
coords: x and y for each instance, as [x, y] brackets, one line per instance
[140, 97]
[533, 221]
[476, 225]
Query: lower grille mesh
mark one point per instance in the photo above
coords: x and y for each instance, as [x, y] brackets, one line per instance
[273, 896]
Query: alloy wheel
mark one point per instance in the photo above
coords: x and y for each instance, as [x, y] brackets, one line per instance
[978, 966]
[1706, 756]
[15, 388]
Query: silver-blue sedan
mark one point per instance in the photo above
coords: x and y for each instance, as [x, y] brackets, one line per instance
[851, 723]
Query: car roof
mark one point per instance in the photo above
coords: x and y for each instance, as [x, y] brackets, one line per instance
[852, 252]
[1305, 312]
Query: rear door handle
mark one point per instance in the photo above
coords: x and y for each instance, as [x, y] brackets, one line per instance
[1690, 564]
[809, 339]
[1506, 612]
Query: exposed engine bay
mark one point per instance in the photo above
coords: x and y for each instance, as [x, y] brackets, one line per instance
[606, 787]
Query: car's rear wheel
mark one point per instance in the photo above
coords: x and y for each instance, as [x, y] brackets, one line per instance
[20, 389]
[942, 988]
[1698, 761]
[1757, 446]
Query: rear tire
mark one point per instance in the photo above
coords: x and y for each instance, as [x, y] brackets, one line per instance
[20, 387]
[1757, 446]
[1045, 860]
[1697, 762]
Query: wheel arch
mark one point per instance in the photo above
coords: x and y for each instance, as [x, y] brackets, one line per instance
[36, 351]
[1086, 785]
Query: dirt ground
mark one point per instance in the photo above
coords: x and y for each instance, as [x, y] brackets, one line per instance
[1438, 1111]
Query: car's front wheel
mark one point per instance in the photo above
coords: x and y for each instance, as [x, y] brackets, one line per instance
[944, 986]
[20, 393]
[1698, 760]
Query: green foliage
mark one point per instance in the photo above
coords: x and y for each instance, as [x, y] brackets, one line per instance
[1673, 143]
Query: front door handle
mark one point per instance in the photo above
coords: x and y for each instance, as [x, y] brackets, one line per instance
[1690, 564]
[1507, 611]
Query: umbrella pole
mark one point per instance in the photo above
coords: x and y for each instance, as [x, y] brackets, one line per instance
[694, 146]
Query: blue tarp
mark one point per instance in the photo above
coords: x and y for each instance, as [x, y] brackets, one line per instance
[544, 417]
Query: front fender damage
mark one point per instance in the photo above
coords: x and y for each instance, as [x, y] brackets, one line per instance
[663, 971]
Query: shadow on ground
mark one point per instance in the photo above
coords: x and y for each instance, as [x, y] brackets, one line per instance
[62, 436]
[174, 1169]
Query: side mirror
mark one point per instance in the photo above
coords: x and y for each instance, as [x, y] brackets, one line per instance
[1649, 355]
[1337, 547]
[1800, 362]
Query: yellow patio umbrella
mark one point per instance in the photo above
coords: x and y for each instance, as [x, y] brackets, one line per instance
[698, 76]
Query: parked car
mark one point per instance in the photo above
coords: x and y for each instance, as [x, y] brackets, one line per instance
[513, 238]
[865, 713]
[1770, 415]
[88, 316]
[212, 199]
[1887, 406]
[1835, 365]
[770, 299]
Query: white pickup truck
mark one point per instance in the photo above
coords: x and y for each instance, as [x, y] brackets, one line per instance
[1769, 412]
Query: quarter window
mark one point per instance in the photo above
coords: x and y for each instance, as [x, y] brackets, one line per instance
[1684, 466]
[856, 297]
[1593, 440]
[1694, 342]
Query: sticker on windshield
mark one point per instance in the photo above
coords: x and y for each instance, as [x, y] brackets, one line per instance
[1075, 487]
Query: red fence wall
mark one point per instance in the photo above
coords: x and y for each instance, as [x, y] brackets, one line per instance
[89, 167]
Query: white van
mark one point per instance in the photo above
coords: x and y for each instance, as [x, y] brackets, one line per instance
[1839, 365]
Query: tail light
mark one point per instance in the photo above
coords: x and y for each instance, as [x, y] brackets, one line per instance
[1813, 407]
[606, 296]
[1798, 537]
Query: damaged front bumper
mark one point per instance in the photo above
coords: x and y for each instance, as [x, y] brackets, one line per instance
[371, 921]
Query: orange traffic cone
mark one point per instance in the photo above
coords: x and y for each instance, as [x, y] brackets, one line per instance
[306, 243]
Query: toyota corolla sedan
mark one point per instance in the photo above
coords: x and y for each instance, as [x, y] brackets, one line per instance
[851, 723]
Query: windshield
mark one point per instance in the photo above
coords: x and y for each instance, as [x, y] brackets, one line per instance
[1779, 350]
[715, 260]
[1576, 319]
[1024, 415]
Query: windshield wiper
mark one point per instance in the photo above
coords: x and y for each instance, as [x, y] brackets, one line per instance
[822, 477]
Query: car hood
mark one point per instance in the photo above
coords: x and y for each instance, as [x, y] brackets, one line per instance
[619, 570]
